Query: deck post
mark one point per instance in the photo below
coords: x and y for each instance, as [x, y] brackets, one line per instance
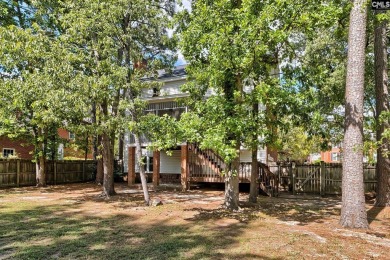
[322, 178]
[131, 166]
[156, 168]
[184, 167]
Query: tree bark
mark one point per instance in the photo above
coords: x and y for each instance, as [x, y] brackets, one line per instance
[108, 166]
[120, 148]
[231, 187]
[95, 138]
[99, 171]
[141, 168]
[41, 171]
[41, 159]
[353, 212]
[382, 106]
[232, 183]
[254, 191]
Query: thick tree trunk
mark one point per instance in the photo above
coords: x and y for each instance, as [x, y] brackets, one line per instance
[353, 212]
[41, 158]
[41, 171]
[141, 168]
[232, 184]
[254, 189]
[99, 171]
[99, 166]
[108, 166]
[382, 106]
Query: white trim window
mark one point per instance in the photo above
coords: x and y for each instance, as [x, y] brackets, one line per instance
[335, 157]
[8, 152]
[148, 163]
[72, 136]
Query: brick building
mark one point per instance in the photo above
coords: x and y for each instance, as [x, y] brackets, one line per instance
[17, 148]
[21, 149]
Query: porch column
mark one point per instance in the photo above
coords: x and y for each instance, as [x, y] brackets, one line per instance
[131, 166]
[156, 168]
[184, 168]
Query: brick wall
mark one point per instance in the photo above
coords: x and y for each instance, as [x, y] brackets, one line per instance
[22, 149]
[71, 151]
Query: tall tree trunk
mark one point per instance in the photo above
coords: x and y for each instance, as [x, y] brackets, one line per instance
[41, 176]
[232, 83]
[232, 183]
[232, 186]
[99, 165]
[121, 147]
[108, 165]
[254, 191]
[53, 144]
[107, 144]
[138, 153]
[353, 212]
[382, 106]
[99, 171]
[41, 171]
[94, 137]
[41, 158]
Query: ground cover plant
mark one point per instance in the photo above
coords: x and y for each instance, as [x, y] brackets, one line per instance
[73, 221]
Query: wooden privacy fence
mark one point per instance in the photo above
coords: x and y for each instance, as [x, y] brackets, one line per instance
[17, 172]
[324, 178]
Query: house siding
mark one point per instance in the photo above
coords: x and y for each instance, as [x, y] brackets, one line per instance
[171, 163]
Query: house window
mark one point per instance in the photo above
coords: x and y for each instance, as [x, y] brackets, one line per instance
[148, 164]
[71, 136]
[7, 152]
[156, 92]
[335, 157]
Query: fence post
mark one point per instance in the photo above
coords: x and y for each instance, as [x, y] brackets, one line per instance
[322, 178]
[18, 173]
[55, 172]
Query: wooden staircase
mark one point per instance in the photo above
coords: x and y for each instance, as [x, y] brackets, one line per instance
[207, 166]
[268, 181]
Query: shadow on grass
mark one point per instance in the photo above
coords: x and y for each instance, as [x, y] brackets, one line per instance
[374, 212]
[300, 210]
[54, 232]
